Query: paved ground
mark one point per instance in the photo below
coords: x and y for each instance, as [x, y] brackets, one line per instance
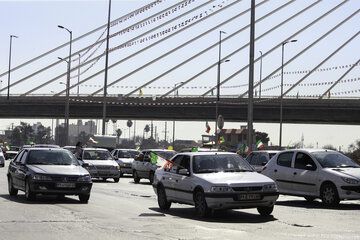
[126, 210]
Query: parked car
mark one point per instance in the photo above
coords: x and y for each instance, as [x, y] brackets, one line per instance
[101, 164]
[48, 171]
[142, 166]
[259, 159]
[124, 157]
[214, 180]
[324, 174]
[2, 159]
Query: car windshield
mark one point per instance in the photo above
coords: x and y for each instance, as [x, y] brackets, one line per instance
[165, 154]
[49, 157]
[271, 155]
[127, 153]
[220, 163]
[97, 155]
[334, 160]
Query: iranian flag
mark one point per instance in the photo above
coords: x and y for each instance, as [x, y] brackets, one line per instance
[221, 140]
[92, 140]
[138, 148]
[259, 144]
[160, 161]
[7, 148]
[207, 127]
[245, 148]
[44, 137]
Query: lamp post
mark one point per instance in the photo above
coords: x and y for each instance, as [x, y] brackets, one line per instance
[8, 93]
[67, 89]
[260, 73]
[218, 88]
[282, 81]
[175, 94]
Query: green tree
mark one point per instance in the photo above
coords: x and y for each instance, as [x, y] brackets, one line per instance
[263, 137]
[43, 135]
[15, 137]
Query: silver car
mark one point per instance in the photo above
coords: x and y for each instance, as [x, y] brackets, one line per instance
[124, 157]
[315, 173]
[214, 180]
[101, 164]
[2, 159]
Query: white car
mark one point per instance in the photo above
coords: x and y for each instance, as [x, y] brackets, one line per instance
[313, 173]
[2, 159]
[214, 180]
[124, 157]
[258, 159]
[101, 164]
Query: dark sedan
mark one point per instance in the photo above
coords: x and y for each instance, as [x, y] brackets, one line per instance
[53, 171]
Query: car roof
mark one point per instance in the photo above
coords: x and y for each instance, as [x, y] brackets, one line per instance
[101, 149]
[207, 153]
[127, 149]
[311, 150]
[267, 151]
[45, 148]
[163, 150]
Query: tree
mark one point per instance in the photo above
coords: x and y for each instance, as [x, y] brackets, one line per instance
[26, 133]
[43, 135]
[263, 137]
[15, 137]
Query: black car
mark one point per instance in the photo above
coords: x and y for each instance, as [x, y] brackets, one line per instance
[53, 171]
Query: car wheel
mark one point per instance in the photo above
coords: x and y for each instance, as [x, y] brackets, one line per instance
[116, 179]
[136, 177]
[29, 195]
[121, 174]
[329, 195]
[265, 211]
[309, 199]
[12, 190]
[164, 204]
[201, 207]
[151, 177]
[84, 198]
[104, 179]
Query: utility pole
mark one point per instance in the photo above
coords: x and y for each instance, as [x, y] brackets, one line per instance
[251, 76]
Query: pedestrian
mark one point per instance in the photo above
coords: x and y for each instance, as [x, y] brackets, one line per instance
[78, 151]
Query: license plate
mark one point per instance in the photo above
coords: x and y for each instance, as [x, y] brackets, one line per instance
[243, 197]
[103, 172]
[65, 185]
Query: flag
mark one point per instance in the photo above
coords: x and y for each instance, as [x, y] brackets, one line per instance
[140, 93]
[221, 140]
[138, 148]
[7, 148]
[162, 162]
[329, 94]
[195, 149]
[207, 127]
[259, 144]
[44, 137]
[287, 147]
[245, 148]
[92, 140]
[31, 143]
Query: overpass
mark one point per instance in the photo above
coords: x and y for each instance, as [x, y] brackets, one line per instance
[266, 110]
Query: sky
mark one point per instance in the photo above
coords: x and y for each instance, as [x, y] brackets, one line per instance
[35, 22]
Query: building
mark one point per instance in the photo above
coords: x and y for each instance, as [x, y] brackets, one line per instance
[234, 137]
[89, 128]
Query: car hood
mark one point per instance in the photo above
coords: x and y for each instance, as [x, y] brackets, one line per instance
[345, 172]
[235, 178]
[59, 169]
[126, 160]
[101, 162]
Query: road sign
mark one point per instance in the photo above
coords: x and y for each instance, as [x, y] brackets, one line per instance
[220, 122]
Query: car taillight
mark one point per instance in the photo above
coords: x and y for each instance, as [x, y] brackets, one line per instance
[263, 169]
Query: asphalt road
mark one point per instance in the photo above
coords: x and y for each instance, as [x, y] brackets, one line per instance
[126, 210]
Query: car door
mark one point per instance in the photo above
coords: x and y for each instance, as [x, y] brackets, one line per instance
[183, 181]
[170, 177]
[13, 169]
[21, 169]
[283, 172]
[304, 177]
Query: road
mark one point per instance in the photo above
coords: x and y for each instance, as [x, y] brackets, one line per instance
[126, 210]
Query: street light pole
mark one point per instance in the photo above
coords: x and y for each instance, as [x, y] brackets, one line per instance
[8, 93]
[67, 89]
[176, 93]
[78, 87]
[106, 70]
[218, 89]
[281, 94]
[260, 73]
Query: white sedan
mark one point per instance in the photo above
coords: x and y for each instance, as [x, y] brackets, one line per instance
[214, 180]
[322, 173]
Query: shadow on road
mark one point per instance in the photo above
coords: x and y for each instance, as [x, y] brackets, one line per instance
[40, 199]
[223, 216]
[317, 205]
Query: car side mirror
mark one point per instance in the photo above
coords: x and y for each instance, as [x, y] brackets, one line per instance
[85, 165]
[116, 157]
[310, 167]
[263, 163]
[184, 171]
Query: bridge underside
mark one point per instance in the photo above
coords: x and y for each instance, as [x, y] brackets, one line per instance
[325, 111]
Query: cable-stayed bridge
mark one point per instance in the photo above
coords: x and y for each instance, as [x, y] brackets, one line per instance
[166, 54]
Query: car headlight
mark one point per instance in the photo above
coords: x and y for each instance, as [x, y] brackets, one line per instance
[221, 189]
[117, 167]
[350, 180]
[85, 178]
[268, 187]
[41, 178]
